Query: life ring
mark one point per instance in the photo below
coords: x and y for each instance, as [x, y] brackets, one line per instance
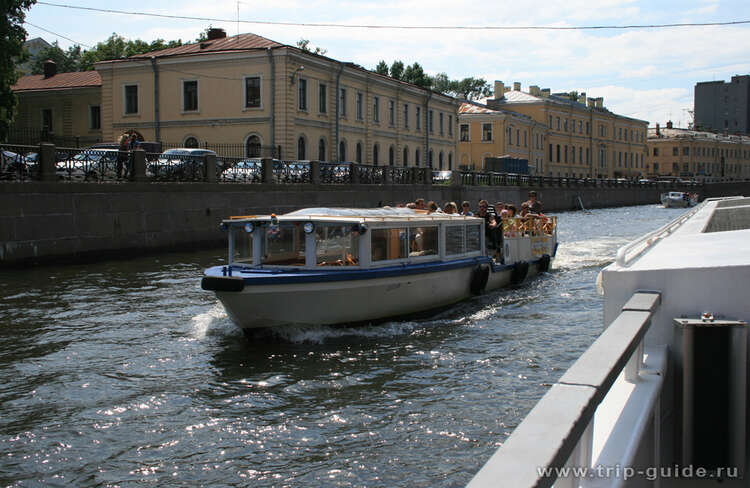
[479, 278]
[520, 270]
[543, 263]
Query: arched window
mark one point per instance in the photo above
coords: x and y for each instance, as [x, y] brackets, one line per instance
[322, 149]
[375, 155]
[440, 161]
[191, 142]
[391, 156]
[342, 151]
[450, 161]
[252, 147]
[359, 152]
[406, 156]
[429, 159]
[417, 159]
[301, 148]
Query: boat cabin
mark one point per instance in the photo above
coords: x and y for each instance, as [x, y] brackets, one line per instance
[324, 237]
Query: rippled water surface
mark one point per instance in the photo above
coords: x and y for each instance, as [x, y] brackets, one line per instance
[128, 374]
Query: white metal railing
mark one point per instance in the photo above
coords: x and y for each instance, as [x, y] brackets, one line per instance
[558, 432]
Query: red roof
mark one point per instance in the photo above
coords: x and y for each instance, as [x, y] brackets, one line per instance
[78, 79]
[239, 42]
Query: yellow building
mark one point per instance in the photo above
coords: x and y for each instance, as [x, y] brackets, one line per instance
[487, 133]
[62, 107]
[690, 154]
[276, 100]
[583, 139]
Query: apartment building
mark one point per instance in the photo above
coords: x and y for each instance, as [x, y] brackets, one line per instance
[487, 133]
[723, 106]
[276, 100]
[583, 138]
[691, 154]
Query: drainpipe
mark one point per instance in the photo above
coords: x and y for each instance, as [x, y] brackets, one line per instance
[338, 108]
[272, 62]
[156, 98]
[427, 129]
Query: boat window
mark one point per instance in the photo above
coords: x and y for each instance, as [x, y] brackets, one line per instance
[336, 245]
[454, 239]
[389, 244]
[243, 245]
[473, 233]
[423, 241]
[284, 244]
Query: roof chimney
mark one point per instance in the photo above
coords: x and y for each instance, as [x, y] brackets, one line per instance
[669, 124]
[582, 98]
[546, 92]
[216, 33]
[590, 102]
[499, 89]
[599, 102]
[534, 90]
[50, 69]
[516, 86]
[658, 131]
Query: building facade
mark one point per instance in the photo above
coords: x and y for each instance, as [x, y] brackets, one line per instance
[698, 155]
[723, 107]
[276, 100]
[60, 107]
[487, 133]
[583, 139]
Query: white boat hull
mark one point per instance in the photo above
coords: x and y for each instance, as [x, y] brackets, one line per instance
[358, 301]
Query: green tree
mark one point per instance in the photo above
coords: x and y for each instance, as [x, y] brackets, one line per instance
[441, 83]
[573, 96]
[397, 70]
[415, 75]
[66, 61]
[12, 37]
[115, 47]
[472, 88]
[304, 44]
[382, 68]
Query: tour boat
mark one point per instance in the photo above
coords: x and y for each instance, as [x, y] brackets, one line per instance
[349, 266]
[678, 199]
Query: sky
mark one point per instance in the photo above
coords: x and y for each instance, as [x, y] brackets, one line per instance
[649, 74]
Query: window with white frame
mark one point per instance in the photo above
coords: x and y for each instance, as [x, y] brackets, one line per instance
[376, 109]
[189, 95]
[360, 102]
[252, 92]
[463, 133]
[130, 99]
[487, 132]
[322, 98]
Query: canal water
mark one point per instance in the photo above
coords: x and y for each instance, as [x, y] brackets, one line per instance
[126, 373]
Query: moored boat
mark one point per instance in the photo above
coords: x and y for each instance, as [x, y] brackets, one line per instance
[678, 199]
[345, 266]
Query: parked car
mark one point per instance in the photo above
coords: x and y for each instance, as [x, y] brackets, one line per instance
[247, 170]
[179, 164]
[93, 165]
[12, 165]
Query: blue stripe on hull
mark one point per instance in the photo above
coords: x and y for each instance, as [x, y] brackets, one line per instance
[275, 276]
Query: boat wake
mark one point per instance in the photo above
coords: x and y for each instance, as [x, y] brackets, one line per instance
[319, 334]
[212, 322]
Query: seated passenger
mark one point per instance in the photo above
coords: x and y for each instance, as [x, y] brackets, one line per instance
[466, 209]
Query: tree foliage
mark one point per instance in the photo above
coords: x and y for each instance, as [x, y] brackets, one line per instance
[469, 88]
[66, 61]
[12, 37]
[304, 44]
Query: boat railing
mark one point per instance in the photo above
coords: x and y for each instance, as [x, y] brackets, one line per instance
[627, 253]
[554, 443]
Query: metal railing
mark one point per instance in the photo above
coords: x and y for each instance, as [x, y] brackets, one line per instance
[558, 431]
[21, 163]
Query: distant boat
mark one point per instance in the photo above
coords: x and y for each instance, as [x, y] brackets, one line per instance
[678, 199]
[348, 266]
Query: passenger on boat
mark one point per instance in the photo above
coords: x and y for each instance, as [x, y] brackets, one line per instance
[490, 223]
[535, 206]
[419, 202]
[432, 207]
[411, 205]
[450, 208]
[466, 209]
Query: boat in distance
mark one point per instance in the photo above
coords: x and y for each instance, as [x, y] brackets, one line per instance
[326, 266]
[678, 199]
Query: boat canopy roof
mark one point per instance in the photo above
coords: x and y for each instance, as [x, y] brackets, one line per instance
[356, 215]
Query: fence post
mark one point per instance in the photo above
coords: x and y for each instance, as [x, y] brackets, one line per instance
[47, 162]
[209, 162]
[427, 172]
[315, 172]
[456, 178]
[266, 170]
[474, 178]
[354, 168]
[387, 175]
[138, 173]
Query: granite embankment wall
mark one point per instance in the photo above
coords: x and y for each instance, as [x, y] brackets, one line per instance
[55, 222]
